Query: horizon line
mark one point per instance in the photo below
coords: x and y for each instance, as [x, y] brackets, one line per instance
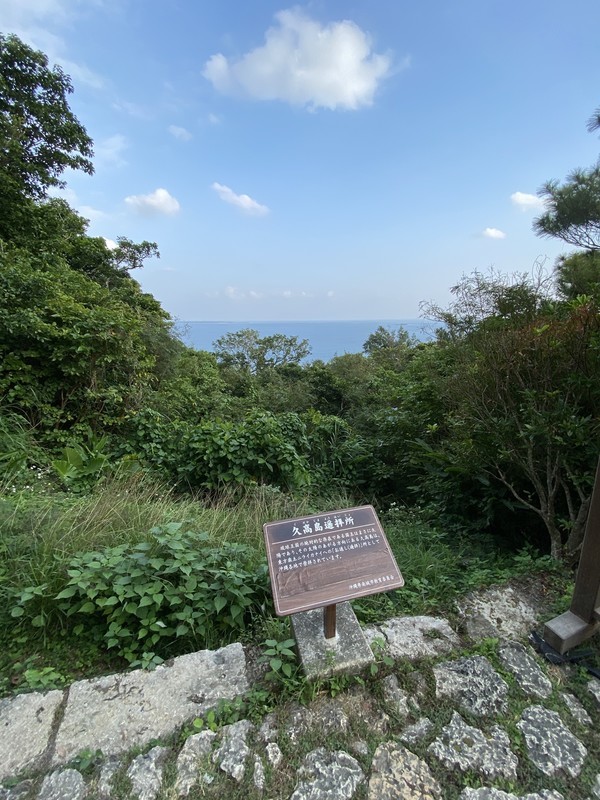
[288, 321]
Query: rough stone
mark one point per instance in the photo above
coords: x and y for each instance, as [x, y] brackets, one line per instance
[359, 705]
[195, 748]
[395, 698]
[328, 776]
[145, 773]
[327, 716]
[576, 710]
[347, 652]
[594, 689]
[18, 792]
[268, 731]
[258, 776]
[360, 747]
[414, 637]
[531, 679]
[420, 730]
[398, 774]
[25, 725]
[596, 787]
[233, 751]
[469, 749]
[118, 712]
[474, 684]
[105, 779]
[67, 784]
[489, 793]
[550, 744]
[274, 754]
[497, 612]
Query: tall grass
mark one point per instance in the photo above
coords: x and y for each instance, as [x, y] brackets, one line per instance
[40, 530]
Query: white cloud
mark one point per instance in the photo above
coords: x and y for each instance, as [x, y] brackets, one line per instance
[305, 63]
[15, 13]
[330, 294]
[157, 202]
[109, 152]
[36, 22]
[131, 109]
[287, 293]
[110, 243]
[180, 133]
[234, 293]
[493, 233]
[254, 294]
[91, 213]
[88, 212]
[526, 201]
[242, 201]
[214, 119]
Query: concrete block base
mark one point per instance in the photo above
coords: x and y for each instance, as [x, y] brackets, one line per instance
[567, 631]
[348, 651]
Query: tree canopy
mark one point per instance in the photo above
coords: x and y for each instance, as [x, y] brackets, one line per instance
[39, 134]
[573, 208]
[247, 351]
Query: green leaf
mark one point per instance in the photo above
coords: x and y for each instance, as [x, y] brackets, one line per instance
[275, 664]
[220, 603]
[68, 592]
[87, 608]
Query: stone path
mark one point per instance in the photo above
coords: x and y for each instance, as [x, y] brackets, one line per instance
[489, 721]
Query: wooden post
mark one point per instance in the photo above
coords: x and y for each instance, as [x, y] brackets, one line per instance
[581, 620]
[329, 621]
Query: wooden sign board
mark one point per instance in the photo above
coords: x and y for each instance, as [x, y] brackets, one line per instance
[328, 558]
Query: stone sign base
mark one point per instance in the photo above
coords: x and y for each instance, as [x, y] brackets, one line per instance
[347, 651]
[567, 631]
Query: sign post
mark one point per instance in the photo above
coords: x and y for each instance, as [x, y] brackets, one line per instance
[320, 561]
[329, 622]
[582, 619]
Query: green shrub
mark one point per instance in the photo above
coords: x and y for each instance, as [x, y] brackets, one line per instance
[169, 593]
[261, 448]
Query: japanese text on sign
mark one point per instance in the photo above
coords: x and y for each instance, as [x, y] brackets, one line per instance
[327, 558]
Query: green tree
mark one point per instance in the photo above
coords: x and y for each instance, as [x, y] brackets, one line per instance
[387, 338]
[245, 350]
[578, 274]
[39, 135]
[74, 354]
[130, 255]
[390, 349]
[573, 208]
[523, 400]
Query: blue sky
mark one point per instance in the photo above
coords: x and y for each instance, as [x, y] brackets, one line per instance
[326, 160]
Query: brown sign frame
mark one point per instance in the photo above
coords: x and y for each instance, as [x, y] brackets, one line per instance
[324, 559]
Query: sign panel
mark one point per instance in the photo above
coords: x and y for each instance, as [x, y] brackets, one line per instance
[328, 558]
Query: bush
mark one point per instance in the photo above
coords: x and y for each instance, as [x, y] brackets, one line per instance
[168, 593]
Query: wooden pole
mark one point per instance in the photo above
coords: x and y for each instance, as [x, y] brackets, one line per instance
[329, 621]
[581, 620]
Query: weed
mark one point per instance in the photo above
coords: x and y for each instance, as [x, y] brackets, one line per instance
[86, 760]
[280, 657]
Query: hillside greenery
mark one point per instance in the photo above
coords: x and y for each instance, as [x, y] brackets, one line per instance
[136, 473]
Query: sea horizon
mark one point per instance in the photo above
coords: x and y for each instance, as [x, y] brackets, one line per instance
[327, 338]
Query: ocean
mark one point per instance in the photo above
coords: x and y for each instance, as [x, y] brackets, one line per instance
[327, 338]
